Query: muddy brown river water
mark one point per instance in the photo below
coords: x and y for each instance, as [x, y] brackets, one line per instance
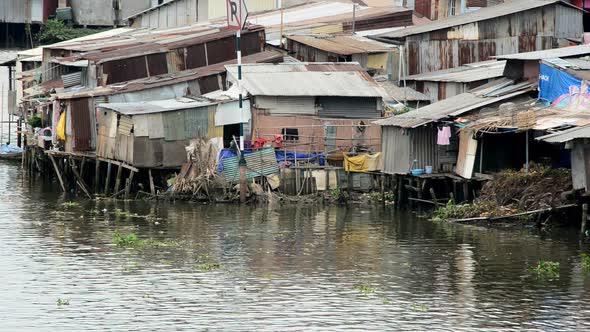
[235, 268]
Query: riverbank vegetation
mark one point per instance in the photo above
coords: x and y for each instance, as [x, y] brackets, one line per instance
[514, 192]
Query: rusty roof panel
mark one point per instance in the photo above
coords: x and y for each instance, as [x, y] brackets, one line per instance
[342, 44]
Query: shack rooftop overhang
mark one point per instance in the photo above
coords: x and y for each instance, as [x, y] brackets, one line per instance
[465, 74]
[306, 79]
[157, 44]
[342, 44]
[493, 92]
[488, 13]
[157, 106]
[567, 135]
[563, 52]
[167, 79]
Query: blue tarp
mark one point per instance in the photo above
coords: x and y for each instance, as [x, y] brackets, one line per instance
[554, 83]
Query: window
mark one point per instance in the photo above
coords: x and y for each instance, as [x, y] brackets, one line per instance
[290, 134]
[452, 7]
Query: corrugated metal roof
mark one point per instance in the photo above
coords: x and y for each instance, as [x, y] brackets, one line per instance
[306, 79]
[483, 14]
[400, 94]
[453, 106]
[466, 73]
[566, 135]
[167, 79]
[259, 163]
[342, 44]
[562, 52]
[157, 106]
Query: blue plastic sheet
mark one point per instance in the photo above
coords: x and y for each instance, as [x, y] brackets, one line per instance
[554, 83]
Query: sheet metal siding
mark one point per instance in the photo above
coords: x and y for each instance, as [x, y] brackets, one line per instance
[423, 147]
[196, 123]
[18, 11]
[351, 108]
[396, 150]
[534, 29]
[73, 79]
[195, 56]
[81, 124]
[259, 163]
[174, 126]
[213, 131]
[568, 22]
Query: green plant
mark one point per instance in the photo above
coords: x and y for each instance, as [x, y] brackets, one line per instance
[419, 307]
[68, 205]
[585, 262]
[62, 302]
[130, 240]
[35, 121]
[209, 266]
[365, 288]
[55, 31]
[546, 269]
[336, 193]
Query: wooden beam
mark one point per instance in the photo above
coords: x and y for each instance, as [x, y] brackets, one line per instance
[79, 179]
[128, 187]
[118, 163]
[152, 186]
[82, 164]
[96, 176]
[108, 179]
[58, 172]
[118, 180]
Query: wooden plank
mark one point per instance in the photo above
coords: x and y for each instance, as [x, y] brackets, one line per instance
[79, 179]
[128, 187]
[108, 179]
[118, 180]
[129, 167]
[96, 175]
[152, 186]
[58, 172]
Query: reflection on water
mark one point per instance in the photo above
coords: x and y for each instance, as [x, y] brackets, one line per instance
[281, 268]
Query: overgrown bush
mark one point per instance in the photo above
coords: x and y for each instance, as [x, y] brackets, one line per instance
[35, 121]
[55, 31]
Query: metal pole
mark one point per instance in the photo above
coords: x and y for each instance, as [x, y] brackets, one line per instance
[243, 185]
[353, 18]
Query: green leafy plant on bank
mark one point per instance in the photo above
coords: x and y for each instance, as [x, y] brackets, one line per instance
[54, 31]
[546, 269]
[130, 240]
[585, 262]
[336, 193]
[35, 121]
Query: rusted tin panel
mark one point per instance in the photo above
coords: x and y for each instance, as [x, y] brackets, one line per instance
[423, 8]
[209, 84]
[477, 3]
[175, 61]
[80, 112]
[125, 69]
[221, 50]
[253, 43]
[486, 49]
[467, 52]
[195, 56]
[527, 44]
[157, 64]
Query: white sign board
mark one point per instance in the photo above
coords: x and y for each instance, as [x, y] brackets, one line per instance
[237, 13]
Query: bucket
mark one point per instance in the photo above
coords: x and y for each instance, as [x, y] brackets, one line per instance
[428, 169]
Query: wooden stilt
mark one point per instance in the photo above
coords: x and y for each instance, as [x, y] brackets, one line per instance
[82, 165]
[108, 179]
[128, 186]
[584, 219]
[118, 180]
[382, 177]
[79, 180]
[96, 176]
[152, 186]
[58, 172]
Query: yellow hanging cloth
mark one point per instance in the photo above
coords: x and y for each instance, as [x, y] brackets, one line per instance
[61, 127]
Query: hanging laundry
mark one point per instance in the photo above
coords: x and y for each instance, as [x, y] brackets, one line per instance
[444, 135]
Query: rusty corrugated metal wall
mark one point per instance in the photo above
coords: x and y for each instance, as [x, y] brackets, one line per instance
[536, 29]
[423, 147]
[81, 124]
